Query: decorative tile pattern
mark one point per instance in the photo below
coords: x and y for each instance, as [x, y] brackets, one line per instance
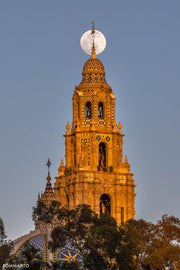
[68, 255]
[39, 243]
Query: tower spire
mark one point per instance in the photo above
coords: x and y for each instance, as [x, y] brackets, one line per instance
[48, 165]
[93, 29]
[93, 53]
[48, 191]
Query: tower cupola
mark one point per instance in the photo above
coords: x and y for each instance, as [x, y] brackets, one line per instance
[93, 70]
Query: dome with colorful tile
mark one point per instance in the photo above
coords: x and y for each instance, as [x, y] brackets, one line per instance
[40, 237]
[93, 70]
[39, 240]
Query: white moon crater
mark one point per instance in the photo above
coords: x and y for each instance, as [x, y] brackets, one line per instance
[86, 42]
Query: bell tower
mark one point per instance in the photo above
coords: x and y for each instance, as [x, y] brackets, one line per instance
[95, 172]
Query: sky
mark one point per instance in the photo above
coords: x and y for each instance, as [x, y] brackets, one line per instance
[41, 62]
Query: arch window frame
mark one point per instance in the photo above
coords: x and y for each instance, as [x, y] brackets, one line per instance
[100, 110]
[103, 157]
[105, 204]
[88, 110]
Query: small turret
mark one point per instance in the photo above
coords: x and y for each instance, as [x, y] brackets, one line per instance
[119, 128]
[126, 163]
[61, 168]
[68, 129]
[48, 194]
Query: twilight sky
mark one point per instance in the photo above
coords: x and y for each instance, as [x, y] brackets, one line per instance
[41, 62]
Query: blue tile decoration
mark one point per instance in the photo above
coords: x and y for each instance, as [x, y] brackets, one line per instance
[39, 243]
[68, 255]
[64, 254]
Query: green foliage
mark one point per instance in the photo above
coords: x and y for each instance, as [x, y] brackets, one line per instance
[167, 231]
[155, 261]
[4, 245]
[71, 266]
[46, 213]
[54, 266]
[159, 243]
[4, 254]
[136, 245]
[32, 257]
[102, 243]
[2, 232]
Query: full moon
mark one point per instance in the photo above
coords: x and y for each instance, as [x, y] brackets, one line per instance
[86, 42]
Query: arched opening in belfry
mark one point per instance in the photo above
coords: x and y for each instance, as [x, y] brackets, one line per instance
[88, 110]
[102, 157]
[100, 110]
[105, 204]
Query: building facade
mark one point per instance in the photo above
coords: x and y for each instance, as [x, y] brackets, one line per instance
[95, 172]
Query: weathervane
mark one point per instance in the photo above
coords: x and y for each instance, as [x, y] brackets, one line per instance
[93, 38]
[93, 31]
[48, 164]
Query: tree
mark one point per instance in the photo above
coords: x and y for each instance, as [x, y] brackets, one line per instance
[127, 257]
[102, 243]
[167, 232]
[2, 232]
[4, 245]
[159, 243]
[46, 213]
[71, 266]
[32, 257]
[137, 244]
[145, 243]
[172, 256]
[155, 261]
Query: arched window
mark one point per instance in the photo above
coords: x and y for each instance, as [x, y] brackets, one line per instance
[102, 156]
[100, 110]
[105, 204]
[88, 110]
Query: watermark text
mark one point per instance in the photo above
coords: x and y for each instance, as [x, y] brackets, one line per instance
[19, 265]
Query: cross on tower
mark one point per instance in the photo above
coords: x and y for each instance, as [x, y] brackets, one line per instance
[48, 164]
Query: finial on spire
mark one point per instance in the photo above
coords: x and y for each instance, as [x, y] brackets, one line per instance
[61, 168]
[62, 162]
[68, 129]
[119, 127]
[93, 29]
[126, 163]
[93, 53]
[48, 164]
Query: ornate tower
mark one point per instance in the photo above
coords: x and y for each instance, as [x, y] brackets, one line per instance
[46, 198]
[95, 173]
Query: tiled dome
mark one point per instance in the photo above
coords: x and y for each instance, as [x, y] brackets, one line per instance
[93, 65]
[39, 241]
[93, 71]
